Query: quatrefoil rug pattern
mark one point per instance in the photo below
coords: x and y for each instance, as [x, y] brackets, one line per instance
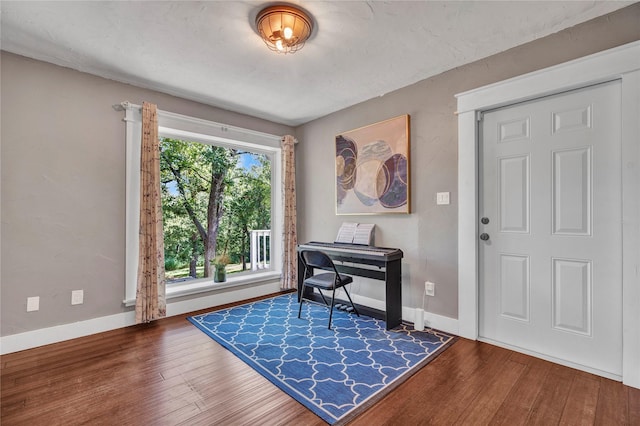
[335, 373]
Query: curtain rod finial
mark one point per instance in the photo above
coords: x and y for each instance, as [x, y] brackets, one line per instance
[122, 106]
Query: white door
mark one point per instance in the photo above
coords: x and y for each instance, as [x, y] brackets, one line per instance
[550, 189]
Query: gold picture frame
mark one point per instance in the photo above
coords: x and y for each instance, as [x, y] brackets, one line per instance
[372, 169]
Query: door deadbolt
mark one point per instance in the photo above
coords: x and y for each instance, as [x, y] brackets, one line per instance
[484, 236]
[484, 220]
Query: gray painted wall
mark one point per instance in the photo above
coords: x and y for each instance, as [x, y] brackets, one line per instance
[63, 189]
[63, 158]
[428, 236]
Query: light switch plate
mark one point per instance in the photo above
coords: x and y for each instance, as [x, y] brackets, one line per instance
[442, 198]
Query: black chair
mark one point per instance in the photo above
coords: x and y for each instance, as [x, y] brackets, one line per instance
[326, 281]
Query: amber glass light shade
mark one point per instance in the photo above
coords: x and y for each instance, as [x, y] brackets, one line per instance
[284, 28]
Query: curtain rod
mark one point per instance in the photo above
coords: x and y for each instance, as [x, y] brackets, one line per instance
[126, 105]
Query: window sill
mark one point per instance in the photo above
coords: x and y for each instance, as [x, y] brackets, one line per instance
[174, 291]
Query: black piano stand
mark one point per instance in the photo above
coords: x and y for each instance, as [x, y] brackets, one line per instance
[389, 271]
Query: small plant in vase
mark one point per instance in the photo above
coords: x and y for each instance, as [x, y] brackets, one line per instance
[220, 268]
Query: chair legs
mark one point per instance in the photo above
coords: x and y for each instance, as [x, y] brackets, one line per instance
[333, 298]
[323, 298]
[351, 301]
[301, 298]
[333, 302]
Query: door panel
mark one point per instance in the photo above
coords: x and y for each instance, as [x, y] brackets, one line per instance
[571, 183]
[550, 268]
[513, 193]
[514, 286]
[572, 296]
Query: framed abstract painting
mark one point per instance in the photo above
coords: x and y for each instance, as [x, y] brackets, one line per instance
[372, 169]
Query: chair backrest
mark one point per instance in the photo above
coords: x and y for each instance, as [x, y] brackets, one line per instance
[317, 259]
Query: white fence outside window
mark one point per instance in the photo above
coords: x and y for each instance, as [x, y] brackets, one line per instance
[260, 249]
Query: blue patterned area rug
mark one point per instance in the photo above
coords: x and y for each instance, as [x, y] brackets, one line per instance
[335, 373]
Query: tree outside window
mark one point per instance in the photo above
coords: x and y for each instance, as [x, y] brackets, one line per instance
[212, 198]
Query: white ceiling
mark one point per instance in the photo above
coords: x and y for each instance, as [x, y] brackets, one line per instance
[209, 51]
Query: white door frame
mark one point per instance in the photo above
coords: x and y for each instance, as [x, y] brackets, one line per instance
[620, 63]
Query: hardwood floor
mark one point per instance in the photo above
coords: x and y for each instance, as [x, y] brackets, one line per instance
[169, 373]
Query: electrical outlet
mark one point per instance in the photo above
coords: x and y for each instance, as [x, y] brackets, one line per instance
[442, 198]
[429, 288]
[77, 297]
[33, 303]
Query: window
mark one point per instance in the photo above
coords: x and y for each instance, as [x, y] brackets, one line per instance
[216, 204]
[245, 149]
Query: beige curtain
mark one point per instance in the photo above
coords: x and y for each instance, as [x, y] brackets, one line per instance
[289, 236]
[150, 294]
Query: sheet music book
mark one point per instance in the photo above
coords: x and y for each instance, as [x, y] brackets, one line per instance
[356, 233]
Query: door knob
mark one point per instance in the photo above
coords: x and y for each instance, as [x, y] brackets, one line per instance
[484, 220]
[484, 236]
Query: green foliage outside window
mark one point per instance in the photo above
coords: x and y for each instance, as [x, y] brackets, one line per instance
[212, 197]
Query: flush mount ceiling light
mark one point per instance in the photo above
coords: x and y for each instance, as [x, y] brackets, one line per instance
[284, 28]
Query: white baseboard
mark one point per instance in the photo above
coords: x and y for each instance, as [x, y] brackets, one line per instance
[439, 322]
[60, 333]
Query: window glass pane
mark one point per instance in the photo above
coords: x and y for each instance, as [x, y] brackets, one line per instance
[216, 204]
